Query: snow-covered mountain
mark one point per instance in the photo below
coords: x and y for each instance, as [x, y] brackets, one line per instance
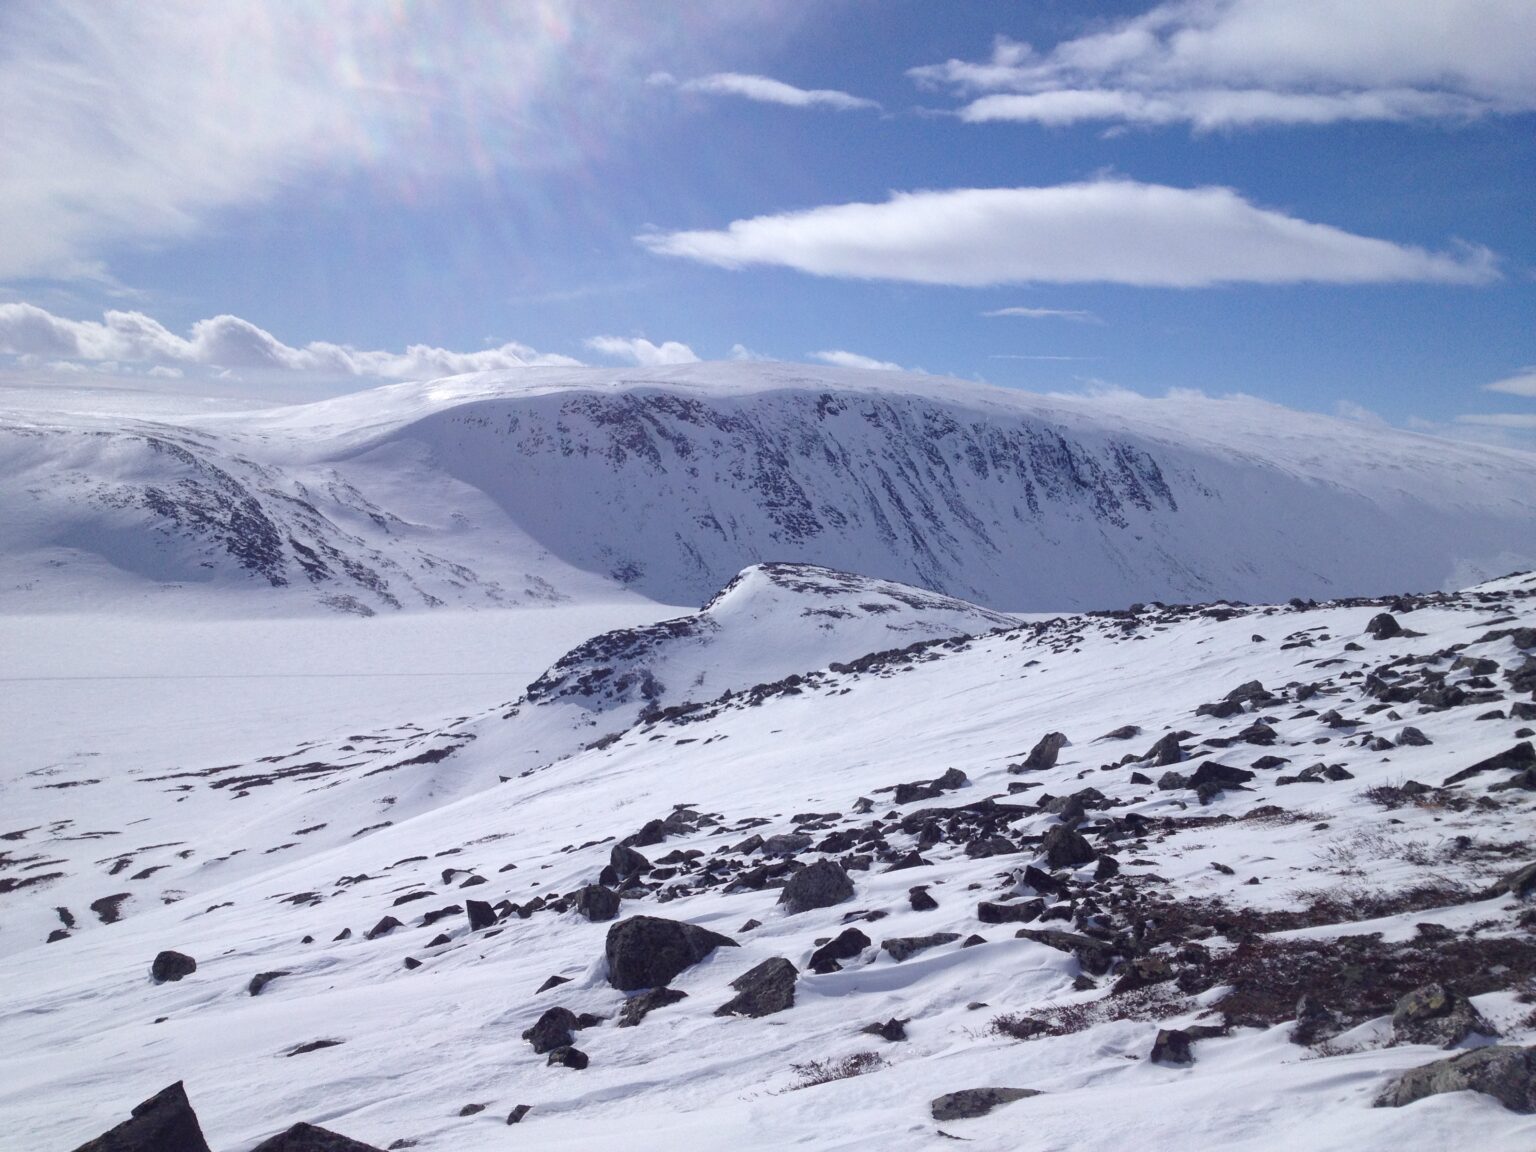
[535, 484]
[1159, 877]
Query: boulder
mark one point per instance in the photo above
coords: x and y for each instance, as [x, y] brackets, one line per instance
[261, 980]
[567, 1057]
[903, 947]
[969, 1103]
[993, 912]
[649, 951]
[309, 1138]
[1065, 848]
[1505, 1072]
[163, 1123]
[1384, 626]
[171, 966]
[1166, 751]
[890, 1030]
[480, 913]
[820, 885]
[1043, 755]
[1095, 956]
[554, 1029]
[1437, 1014]
[597, 903]
[763, 990]
[626, 862]
[848, 944]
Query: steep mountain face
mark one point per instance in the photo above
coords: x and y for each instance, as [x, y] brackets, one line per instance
[504, 487]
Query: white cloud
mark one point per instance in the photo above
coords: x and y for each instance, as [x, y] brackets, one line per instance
[1227, 63]
[1109, 231]
[643, 352]
[840, 359]
[1500, 419]
[1522, 383]
[1047, 314]
[742, 352]
[134, 123]
[1359, 413]
[765, 90]
[130, 341]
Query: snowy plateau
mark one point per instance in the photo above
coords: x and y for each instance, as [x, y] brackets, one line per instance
[758, 756]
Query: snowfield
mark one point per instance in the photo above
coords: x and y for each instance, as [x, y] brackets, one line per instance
[288, 862]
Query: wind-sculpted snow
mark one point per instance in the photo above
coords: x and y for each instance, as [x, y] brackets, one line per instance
[513, 487]
[1108, 878]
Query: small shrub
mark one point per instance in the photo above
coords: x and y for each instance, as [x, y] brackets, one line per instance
[825, 1071]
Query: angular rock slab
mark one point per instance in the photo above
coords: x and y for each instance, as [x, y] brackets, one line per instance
[762, 991]
[163, 1123]
[309, 1138]
[819, 885]
[969, 1103]
[1503, 1071]
[648, 951]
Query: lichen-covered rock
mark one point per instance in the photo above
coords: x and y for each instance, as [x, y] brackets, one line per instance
[969, 1103]
[1505, 1072]
[1437, 1014]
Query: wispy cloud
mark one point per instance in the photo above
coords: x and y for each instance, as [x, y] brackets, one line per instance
[1047, 314]
[640, 351]
[841, 359]
[135, 342]
[1499, 419]
[134, 124]
[765, 90]
[1108, 231]
[1522, 383]
[1234, 63]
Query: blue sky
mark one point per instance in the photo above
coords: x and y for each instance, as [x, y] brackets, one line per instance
[1326, 203]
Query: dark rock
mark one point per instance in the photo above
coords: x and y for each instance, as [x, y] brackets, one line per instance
[972, 940]
[763, 990]
[1125, 732]
[1064, 848]
[819, 885]
[969, 1103]
[994, 912]
[648, 951]
[480, 913]
[1043, 755]
[516, 1115]
[1522, 755]
[891, 1030]
[171, 966]
[312, 1046]
[1165, 752]
[1042, 882]
[471, 1109]
[573, 1058]
[1437, 1014]
[1314, 1022]
[1095, 956]
[1107, 867]
[1223, 775]
[261, 980]
[383, 928]
[309, 1138]
[554, 1029]
[597, 903]
[920, 900]
[1384, 626]
[1517, 883]
[1172, 1047]
[641, 1005]
[552, 982]
[163, 1123]
[1506, 1073]
[848, 944]
[654, 832]
[626, 862]
[903, 947]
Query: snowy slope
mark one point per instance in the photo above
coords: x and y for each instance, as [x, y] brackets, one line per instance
[1216, 901]
[530, 485]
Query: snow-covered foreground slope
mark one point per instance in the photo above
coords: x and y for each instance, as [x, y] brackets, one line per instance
[1334, 853]
[538, 484]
